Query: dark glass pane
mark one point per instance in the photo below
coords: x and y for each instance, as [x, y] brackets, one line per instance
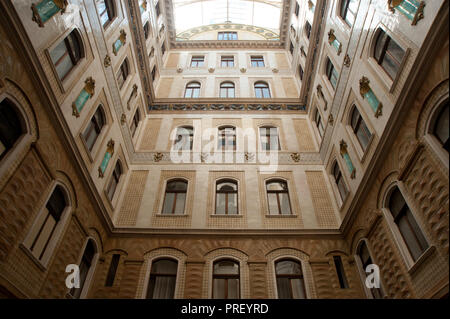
[219, 288]
[10, 127]
[112, 270]
[227, 267]
[441, 128]
[56, 203]
[164, 266]
[177, 186]
[283, 288]
[288, 267]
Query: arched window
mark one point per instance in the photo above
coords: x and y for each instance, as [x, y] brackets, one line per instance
[163, 278]
[115, 177]
[175, 197]
[262, 90]
[106, 11]
[360, 128]
[227, 197]
[184, 139]
[44, 229]
[388, 54]
[11, 127]
[227, 89]
[440, 128]
[332, 74]
[407, 225]
[85, 266]
[192, 90]
[226, 280]
[135, 122]
[290, 281]
[348, 11]
[66, 55]
[146, 30]
[92, 131]
[278, 198]
[339, 180]
[123, 73]
[319, 123]
[269, 138]
[227, 138]
[308, 29]
[366, 260]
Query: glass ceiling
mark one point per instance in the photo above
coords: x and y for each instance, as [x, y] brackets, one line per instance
[195, 13]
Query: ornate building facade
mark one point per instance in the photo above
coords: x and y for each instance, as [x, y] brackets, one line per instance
[172, 155]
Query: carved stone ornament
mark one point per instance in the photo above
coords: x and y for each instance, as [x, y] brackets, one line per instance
[331, 36]
[249, 156]
[243, 70]
[275, 70]
[204, 157]
[89, 86]
[295, 157]
[157, 157]
[211, 70]
[364, 87]
[123, 36]
[179, 70]
[123, 119]
[331, 119]
[107, 61]
[347, 61]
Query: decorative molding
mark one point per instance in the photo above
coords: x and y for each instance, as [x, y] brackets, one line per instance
[157, 157]
[106, 158]
[275, 70]
[243, 70]
[367, 93]
[107, 61]
[296, 157]
[331, 119]
[46, 9]
[179, 70]
[347, 61]
[211, 70]
[411, 9]
[123, 119]
[119, 42]
[333, 41]
[86, 93]
[347, 159]
[226, 107]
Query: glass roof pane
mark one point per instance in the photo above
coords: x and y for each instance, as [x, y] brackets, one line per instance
[194, 13]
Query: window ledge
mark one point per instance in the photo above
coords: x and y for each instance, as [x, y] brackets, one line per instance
[426, 254]
[281, 216]
[171, 215]
[227, 216]
[32, 257]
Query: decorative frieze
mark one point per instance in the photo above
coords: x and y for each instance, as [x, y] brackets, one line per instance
[86, 93]
[226, 107]
[367, 93]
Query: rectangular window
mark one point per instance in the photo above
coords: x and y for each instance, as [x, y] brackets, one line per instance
[112, 270]
[257, 61]
[154, 73]
[227, 61]
[197, 61]
[340, 272]
[227, 35]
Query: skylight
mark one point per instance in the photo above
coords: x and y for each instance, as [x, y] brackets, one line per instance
[195, 13]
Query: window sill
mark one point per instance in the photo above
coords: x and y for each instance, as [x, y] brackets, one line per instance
[281, 216]
[426, 254]
[171, 215]
[38, 263]
[227, 216]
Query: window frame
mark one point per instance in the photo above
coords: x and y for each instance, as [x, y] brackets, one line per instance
[227, 36]
[277, 192]
[378, 35]
[174, 204]
[197, 61]
[221, 181]
[362, 271]
[267, 128]
[76, 37]
[221, 135]
[261, 89]
[343, 16]
[20, 117]
[89, 276]
[135, 121]
[155, 260]
[114, 178]
[191, 137]
[336, 182]
[93, 126]
[228, 89]
[354, 128]
[290, 276]
[226, 277]
[110, 10]
[329, 68]
[123, 73]
[257, 61]
[228, 60]
[193, 89]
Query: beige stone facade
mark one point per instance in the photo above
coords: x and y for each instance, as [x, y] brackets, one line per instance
[122, 214]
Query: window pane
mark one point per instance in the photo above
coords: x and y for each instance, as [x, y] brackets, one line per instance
[220, 204]
[168, 203]
[283, 289]
[227, 267]
[342, 189]
[441, 129]
[284, 203]
[390, 66]
[179, 206]
[298, 288]
[163, 287]
[232, 204]
[395, 51]
[164, 266]
[233, 288]
[44, 236]
[64, 66]
[363, 134]
[219, 289]
[409, 237]
[58, 52]
[288, 267]
[273, 204]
